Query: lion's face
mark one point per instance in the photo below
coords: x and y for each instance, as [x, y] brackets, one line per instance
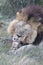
[23, 33]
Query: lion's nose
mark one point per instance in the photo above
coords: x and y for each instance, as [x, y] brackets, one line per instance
[15, 38]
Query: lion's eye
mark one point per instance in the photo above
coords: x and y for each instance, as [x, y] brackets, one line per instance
[18, 35]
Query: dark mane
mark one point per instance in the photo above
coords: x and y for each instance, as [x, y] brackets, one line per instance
[34, 11]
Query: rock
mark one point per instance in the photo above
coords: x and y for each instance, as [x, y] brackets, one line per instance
[26, 55]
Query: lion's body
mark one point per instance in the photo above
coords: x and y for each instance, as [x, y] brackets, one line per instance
[32, 15]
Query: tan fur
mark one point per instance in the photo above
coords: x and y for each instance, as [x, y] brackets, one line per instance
[21, 16]
[33, 22]
[40, 28]
[11, 27]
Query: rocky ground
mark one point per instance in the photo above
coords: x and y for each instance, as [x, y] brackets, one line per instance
[26, 55]
[5, 39]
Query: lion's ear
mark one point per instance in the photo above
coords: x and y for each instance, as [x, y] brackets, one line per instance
[12, 26]
[21, 16]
